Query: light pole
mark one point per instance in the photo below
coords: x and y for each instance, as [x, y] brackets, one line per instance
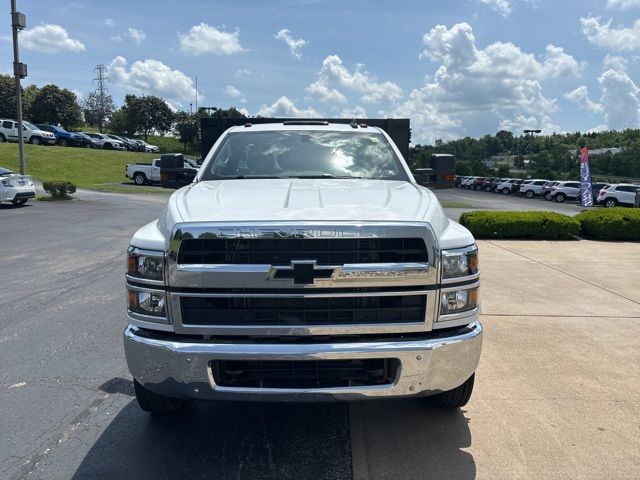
[531, 133]
[18, 22]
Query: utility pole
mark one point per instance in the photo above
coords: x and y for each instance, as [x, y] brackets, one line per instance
[530, 134]
[101, 79]
[18, 22]
[196, 94]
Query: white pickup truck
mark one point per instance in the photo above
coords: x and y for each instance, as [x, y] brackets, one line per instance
[304, 263]
[30, 133]
[142, 173]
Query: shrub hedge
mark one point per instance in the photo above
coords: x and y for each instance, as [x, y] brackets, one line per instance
[59, 188]
[534, 225]
[610, 223]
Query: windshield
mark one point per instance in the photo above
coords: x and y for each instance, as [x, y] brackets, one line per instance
[305, 154]
[29, 126]
[4, 172]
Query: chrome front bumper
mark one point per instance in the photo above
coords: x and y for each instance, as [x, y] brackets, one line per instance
[183, 369]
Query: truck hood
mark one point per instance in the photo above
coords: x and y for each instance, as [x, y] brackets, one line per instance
[302, 200]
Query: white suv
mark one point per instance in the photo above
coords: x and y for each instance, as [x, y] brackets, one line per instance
[531, 188]
[564, 190]
[618, 194]
[506, 185]
[30, 133]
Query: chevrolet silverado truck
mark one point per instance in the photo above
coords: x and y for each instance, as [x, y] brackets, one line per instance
[303, 263]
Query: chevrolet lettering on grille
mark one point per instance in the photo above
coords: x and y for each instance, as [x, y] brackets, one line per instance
[302, 272]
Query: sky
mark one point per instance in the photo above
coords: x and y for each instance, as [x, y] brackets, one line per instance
[455, 68]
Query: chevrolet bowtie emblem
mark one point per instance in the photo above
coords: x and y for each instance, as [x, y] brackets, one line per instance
[302, 272]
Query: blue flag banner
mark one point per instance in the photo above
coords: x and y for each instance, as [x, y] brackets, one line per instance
[586, 194]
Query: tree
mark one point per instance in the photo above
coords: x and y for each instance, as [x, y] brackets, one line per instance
[56, 106]
[231, 112]
[28, 96]
[187, 128]
[503, 171]
[8, 107]
[97, 109]
[151, 114]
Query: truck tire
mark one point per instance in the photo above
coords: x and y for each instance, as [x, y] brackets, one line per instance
[35, 141]
[155, 403]
[456, 398]
[107, 146]
[63, 142]
[2, 138]
[139, 178]
[611, 202]
[19, 201]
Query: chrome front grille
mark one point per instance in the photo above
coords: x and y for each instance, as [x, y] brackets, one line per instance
[282, 251]
[263, 280]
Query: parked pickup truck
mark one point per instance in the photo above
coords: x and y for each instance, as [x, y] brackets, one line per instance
[142, 173]
[303, 263]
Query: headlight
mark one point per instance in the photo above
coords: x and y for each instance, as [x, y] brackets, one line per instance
[145, 264]
[459, 263]
[147, 302]
[458, 300]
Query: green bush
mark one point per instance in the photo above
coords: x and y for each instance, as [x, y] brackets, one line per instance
[59, 188]
[610, 223]
[534, 225]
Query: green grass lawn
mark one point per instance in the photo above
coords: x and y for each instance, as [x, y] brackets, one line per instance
[86, 168]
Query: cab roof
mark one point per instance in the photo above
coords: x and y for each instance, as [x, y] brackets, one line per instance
[304, 125]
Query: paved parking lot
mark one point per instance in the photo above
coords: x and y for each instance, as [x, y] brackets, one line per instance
[462, 199]
[556, 393]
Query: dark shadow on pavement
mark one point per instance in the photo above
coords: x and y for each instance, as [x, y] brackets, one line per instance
[223, 440]
[409, 439]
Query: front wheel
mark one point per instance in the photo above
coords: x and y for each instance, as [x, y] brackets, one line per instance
[87, 145]
[560, 197]
[155, 403]
[456, 398]
[19, 201]
[529, 194]
[506, 191]
[2, 138]
[35, 141]
[610, 203]
[140, 178]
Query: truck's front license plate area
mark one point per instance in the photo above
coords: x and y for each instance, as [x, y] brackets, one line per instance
[304, 374]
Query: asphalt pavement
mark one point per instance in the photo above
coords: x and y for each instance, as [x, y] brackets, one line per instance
[68, 409]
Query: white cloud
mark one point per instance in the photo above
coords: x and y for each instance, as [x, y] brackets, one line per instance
[615, 62]
[623, 4]
[475, 89]
[503, 7]
[204, 38]
[294, 44]
[580, 96]
[620, 100]
[284, 107]
[356, 112]
[242, 72]
[49, 38]
[138, 36]
[108, 22]
[621, 39]
[152, 77]
[235, 93]
[333, 72]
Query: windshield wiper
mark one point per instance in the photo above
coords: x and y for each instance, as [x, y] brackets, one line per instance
[324, 175]
[241, 177]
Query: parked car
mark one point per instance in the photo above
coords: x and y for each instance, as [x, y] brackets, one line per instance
[618, 194]
[506, 185]
[148, 147]
[477, 183]
[142, 173]
[89, 142]
[545, 191]
[486, 183]
[15, 188]
[105, 142]
[597, 187]
[467, 182]
[31, 133]
[459, 181]
[129, 145]
[531, 188]
[491, 186]
[565, 190]
[63, 137]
